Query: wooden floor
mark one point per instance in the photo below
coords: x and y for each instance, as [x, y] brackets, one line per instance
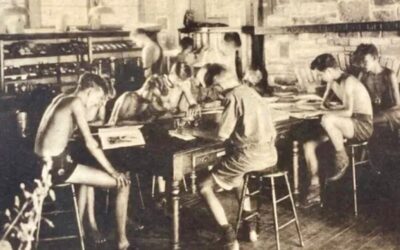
[330, 227]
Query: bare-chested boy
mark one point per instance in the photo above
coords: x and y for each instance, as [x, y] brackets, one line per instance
[351, 120]
[62, 117]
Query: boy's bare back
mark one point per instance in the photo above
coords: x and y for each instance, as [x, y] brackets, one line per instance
[56, 126]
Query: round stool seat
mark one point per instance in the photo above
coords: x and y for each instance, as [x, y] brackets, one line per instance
[265, 171]
[353, 143]
[276, 174]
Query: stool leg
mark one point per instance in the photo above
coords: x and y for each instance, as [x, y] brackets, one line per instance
[139, 191]
[241, 202]
[107, 201]
[353, 168]
[294, 210]
[275, 210]
[153, 186]
[260, 187]
[78, 220]
[184, 184]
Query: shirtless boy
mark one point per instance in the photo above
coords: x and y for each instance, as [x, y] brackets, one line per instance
[64, 114]
[350, 120]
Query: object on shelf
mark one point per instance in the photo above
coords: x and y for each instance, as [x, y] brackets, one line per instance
[29, 49]
[112, 46]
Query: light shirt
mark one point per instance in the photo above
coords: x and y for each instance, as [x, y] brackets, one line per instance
[246, 119]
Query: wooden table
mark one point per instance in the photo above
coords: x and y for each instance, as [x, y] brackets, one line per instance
[174, 158]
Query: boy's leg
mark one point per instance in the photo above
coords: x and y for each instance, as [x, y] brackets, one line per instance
[311, 158]
[215, 206]
[82, 201]
[93, 177]
[337, 129]
[249, 225]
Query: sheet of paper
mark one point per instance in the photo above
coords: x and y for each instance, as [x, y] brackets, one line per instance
[185, 137]
[118, 137]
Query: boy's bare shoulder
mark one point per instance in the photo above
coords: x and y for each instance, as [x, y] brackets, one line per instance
[70, 101]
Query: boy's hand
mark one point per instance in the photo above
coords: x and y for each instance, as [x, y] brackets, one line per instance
[121, 179]
[194, 111]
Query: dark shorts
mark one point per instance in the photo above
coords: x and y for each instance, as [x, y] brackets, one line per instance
[391, 116]
[363, 126]
[62, 167]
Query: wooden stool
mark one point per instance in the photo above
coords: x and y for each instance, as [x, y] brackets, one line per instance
[356, 161]
[77, 219]
[261, 176]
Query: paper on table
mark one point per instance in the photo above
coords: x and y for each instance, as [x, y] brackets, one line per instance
[185, 137]
[117, 137]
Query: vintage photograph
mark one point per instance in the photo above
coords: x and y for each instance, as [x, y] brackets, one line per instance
[199, 124]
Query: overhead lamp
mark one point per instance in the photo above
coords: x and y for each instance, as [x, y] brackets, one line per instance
[96, 12]
[100, 9]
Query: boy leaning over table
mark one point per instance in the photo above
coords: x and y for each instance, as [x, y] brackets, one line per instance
[247, 127]
[350, 120]
[61, 118]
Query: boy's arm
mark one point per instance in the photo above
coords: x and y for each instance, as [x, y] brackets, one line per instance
[226, 126]
[348, 100]
[91, 143]
[147, 57]
[395, 88]
[326, 94]
[100, 117]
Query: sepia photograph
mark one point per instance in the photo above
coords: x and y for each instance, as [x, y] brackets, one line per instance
[199, 124]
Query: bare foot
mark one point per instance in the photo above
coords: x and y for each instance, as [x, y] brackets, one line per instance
[97, 238]
[123, 245]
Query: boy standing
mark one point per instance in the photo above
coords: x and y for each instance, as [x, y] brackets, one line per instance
[247, 126]
[64, 114]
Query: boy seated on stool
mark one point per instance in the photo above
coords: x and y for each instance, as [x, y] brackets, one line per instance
[350, 120]
[61, 118]
[247, 127]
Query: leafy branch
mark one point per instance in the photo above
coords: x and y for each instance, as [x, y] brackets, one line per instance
[23, 219]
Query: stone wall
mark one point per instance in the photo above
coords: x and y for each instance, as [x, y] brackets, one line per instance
[299, 12]
[286, 52]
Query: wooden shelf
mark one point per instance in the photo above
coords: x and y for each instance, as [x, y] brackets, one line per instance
[39, 56]
[8, 81]
[62, 35]
[332, 28]
[244, 29]
[117, 51]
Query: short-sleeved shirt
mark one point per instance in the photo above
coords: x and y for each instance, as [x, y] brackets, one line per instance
[246, 119]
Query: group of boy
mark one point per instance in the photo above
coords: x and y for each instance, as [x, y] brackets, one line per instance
[246, 125]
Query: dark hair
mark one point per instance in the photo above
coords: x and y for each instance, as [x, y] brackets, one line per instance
[262, 69]
[213, 69]
[233, 37]
[150, 34]
[186, 42]
[90, 80]
[324, 61]
[362, 50]
[179, 66]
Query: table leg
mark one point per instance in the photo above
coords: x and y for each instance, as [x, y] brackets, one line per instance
[193, 177]
[296, 171]
[175, 219]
